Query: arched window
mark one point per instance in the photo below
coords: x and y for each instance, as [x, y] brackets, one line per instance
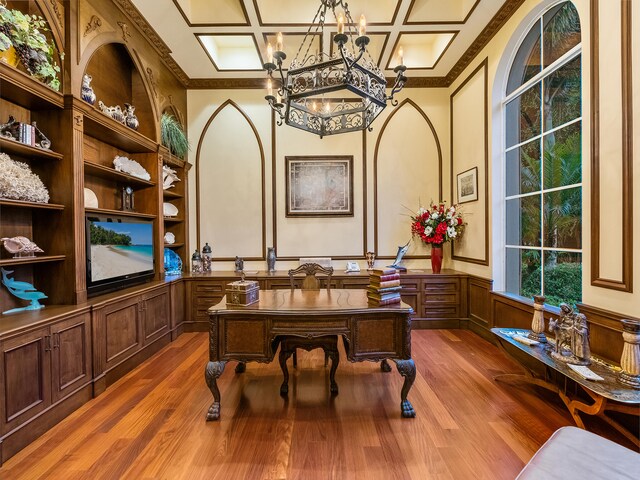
[543, 161]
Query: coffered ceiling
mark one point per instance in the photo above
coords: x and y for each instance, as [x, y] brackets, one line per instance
[227, 39]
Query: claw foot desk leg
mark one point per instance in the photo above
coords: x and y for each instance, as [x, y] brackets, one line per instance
[384, 366]
[212, 371]
[407, 369]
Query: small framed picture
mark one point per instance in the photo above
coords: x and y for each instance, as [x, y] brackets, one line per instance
[468, 185]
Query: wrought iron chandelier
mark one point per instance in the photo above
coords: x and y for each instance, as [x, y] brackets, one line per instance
[303, 99]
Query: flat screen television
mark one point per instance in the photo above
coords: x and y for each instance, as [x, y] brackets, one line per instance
[119, 252]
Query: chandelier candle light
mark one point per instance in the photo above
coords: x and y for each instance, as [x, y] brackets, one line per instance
[303, 98]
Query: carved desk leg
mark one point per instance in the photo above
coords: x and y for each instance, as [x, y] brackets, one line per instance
[335, 359]
[284, 356]
[212, 371]
[407, 369]
[384, 365]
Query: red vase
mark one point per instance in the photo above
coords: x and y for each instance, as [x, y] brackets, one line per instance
[436, 258]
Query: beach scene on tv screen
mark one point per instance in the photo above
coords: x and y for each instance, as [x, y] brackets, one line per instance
[119, 249]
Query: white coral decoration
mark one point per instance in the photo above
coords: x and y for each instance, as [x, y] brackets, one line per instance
[18, 182]
[169, 175]
[133, 168]
[451, 231]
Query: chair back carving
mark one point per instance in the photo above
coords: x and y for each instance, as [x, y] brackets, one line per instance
[311, 282]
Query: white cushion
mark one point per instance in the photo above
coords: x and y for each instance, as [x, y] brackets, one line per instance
[573, 453]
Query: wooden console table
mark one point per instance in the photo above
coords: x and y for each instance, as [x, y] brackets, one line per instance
[253, 333]
[608, 394]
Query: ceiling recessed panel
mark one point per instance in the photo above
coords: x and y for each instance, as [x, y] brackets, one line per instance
[291, 43]
[302, 12]
[212, 12]
[420, 50]
[231, 52]
[438, 11]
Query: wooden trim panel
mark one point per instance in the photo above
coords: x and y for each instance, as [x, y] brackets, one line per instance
[262, 157]
[406, 101]
[483, 66]
[625, 284]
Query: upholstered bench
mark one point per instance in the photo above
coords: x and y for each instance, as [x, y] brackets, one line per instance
[573, 453]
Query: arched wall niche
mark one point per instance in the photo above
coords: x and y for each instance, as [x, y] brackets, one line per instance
[117, 80]
[230, 185]
[54, 22]
[404, 186]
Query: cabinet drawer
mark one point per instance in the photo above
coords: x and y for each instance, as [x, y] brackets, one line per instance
[209, 287]
[437, 297]
[410, 283]
[439, 312]
[444, 285]
[208, 301]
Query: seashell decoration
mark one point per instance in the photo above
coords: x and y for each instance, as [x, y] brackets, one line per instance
[18, 182]
[169, 209]
[20, 246]
[90, 198]
[169, 175]
[169, 238]
[131, 167]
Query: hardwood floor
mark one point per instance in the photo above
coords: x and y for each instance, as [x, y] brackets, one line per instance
[150, 424]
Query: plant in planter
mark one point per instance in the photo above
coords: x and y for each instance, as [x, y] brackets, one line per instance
[172, 136]
[23, 32]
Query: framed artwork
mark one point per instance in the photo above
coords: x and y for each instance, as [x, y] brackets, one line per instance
[468, 185]
[319, 186]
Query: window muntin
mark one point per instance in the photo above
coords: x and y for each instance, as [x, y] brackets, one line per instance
[543, 161]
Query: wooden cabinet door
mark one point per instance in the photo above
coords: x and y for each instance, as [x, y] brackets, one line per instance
[157, 313]
[122, 330]
[26, 372]
[71, 355]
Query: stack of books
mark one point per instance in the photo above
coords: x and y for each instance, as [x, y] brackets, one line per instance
[384, 287]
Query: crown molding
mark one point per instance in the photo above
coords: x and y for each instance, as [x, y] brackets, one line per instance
[164, 52]
[482, 40]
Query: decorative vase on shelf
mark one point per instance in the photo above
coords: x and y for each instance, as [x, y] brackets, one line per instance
[436, 258]
[87, 93]
[271, 259]
[130, 118]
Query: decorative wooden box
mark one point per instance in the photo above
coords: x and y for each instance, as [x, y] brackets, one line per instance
[242, 292]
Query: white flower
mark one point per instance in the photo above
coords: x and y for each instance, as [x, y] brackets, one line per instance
[451, 231]
[448, 216]
[428, 230]
[453, 222]
[452, 210]
[434, 215]
[422, 211]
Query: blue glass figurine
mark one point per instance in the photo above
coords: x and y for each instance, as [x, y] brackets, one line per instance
[22, 290]
[172, 262]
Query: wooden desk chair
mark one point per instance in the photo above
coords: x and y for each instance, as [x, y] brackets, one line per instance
[328, 343]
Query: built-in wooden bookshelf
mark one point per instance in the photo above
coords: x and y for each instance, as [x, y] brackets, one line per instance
[177, 195]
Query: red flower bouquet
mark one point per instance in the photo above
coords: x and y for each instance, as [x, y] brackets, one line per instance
[437, 225]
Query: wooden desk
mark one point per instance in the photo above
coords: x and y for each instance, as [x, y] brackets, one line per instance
[252, 334]
[625, 399]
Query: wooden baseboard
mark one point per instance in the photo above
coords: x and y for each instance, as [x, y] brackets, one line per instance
[196, 326]
[422, 324]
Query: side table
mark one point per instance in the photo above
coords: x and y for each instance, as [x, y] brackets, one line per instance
[608, 394]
